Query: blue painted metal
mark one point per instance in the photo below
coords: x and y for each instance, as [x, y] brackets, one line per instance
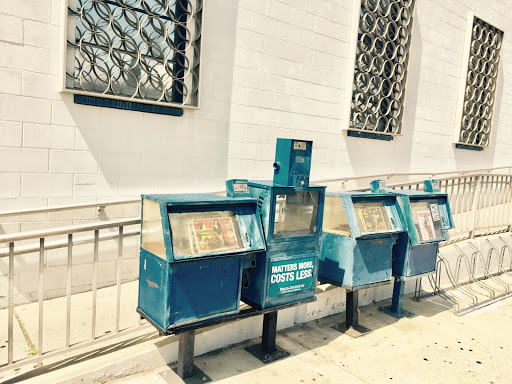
[412, 255]
[293, 163]
[369, 135]
[183, 289]
[357, 258]
[127, 105]
[287, 271]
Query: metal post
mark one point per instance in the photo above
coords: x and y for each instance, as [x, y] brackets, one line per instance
[351, 325]
[396, 309]
[10, 326]
[397, 301]
[268, 337]
[41, 296]
[475, 206]
[94, 283]
[268, 351]
[119, 276]
[351, 313]
[185, 367]
[68, 289]
[417, 290]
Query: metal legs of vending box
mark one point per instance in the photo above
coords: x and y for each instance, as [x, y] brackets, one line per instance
[396, 309]
[268, 351]
[185, 368]
[351, 325]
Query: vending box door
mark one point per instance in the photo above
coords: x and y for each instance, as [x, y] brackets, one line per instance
[205, 289]
[372, 260]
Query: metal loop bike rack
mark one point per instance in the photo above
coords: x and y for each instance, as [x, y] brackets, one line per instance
[487, 279]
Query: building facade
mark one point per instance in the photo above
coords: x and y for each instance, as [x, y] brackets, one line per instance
[266, 69]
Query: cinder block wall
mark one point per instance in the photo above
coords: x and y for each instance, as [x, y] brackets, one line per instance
[292, 61]
[270, 68]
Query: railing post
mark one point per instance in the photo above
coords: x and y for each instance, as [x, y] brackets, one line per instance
[10, 325]
[69, 267]
[119, 276]
[475, 207]
[95, 283]
[41, 296]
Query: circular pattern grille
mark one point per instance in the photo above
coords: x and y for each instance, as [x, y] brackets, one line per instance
[381, 65]
[140, 49]
[481, 83]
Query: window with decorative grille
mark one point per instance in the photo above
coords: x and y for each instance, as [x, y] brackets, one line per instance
[135, 50]
[380, 76]
[481, 84]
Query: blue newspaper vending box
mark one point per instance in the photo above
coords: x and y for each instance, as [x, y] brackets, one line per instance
[427, 218]
[360, 230]
[291, 212]
[191, 256]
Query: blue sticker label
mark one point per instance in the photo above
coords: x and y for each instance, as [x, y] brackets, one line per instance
[289, 276]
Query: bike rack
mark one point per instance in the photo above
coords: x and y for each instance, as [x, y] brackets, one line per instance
[482, 286]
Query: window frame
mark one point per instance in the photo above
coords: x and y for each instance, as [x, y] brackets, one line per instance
[349, 93]
[458, 144]
[66, 33]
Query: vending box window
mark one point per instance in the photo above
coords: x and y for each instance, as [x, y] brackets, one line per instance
[191, 258]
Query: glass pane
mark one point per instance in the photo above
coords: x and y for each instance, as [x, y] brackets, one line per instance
[372, 217]
[427, 220]
[196, 233]
[335, 217]
[296, 214]
[152, 232]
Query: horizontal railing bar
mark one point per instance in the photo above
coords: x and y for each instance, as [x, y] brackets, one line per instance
[69, 229]
[116, 223]
[24, 249]
[389, 175]
[68, 207]
[343, 179]
[409, 183]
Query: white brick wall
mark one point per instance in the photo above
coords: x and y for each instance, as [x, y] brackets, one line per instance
[270, 68]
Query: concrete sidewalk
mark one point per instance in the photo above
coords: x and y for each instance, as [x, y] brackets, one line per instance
[434, 346]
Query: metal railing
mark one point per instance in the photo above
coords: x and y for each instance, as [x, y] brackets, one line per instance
[72, 240]
[481, 201]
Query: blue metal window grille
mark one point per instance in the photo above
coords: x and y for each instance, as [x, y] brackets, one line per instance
[140, 50]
